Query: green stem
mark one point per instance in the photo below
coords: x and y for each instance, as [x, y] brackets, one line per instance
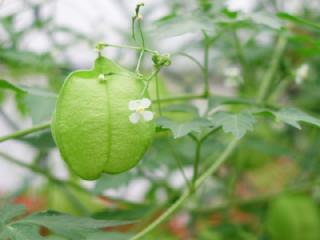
[124, 75]
[190, 57]
[181, 200]
[139, 62]
[196, 164]
[25, 132]
[128, 47]
[242, 59]
[206, 64]
[175, 155]
[213, 131]
[148, 81]
[180, 98]
[269, 75]
[141, 33]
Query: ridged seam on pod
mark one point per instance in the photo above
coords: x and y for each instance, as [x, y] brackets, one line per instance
[91, 125]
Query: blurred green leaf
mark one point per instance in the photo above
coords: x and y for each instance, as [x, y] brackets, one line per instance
[237, 124]
[182, 108]
[287, 16]
[108, 235]
[40, 140]
[9, 211]
[112, 181]
[179, 25]
[292, 116]
[266, 19]
[180, 130]
[68, 226]
[41, 103]
[7, 85]
[23, 232]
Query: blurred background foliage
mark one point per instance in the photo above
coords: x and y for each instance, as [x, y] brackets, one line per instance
[268, 189]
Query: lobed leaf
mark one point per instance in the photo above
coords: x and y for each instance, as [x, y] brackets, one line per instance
[22, 232]
[182, 129]
[237, 124]
[67, 225]
[10, 211]
[111, 181]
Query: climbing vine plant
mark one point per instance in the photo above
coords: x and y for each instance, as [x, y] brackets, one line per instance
[114, 125]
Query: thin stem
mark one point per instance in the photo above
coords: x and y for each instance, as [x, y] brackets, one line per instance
[25, 132]
[175, 155]
[148, 81]
[196, 164]
[178, 161]
[133, 31]
[213, 131]
[206, 64]
[139, 62]
[128, 47]
[141, 33]
[224, 155]
[242, 59]
[180, 98]
[269, 75]
[190, 57]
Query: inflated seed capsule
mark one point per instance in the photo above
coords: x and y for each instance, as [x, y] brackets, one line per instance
[92, 126]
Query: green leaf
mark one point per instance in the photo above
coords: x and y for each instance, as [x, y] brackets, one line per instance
[266, 19]
[216, 101]
[69, 226]
[6, 85]
[237, 124]
[112, 181]
[108, 235]
[40, 140]
[287, 16]
[23, 232]
[179, 25]
[8, 212]
[180, 130]
[292, 116]
[182, 108]
[41, 103]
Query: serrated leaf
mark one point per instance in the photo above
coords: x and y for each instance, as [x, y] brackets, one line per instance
[22, 232]
[7, 85]
[111, 181]
[216, 101]
[287, 16]
[292, 116]
[182, 129]
[67, 225]
[108, 235]
[8, 212]
[266, 19]
[182, 108]
[237, 124]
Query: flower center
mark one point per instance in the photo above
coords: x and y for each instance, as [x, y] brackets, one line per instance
[140, 110]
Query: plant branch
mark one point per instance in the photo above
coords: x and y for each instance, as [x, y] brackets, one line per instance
[206, 64]
[196, 165]
[224, 155]
[269, 75]
[25, 132]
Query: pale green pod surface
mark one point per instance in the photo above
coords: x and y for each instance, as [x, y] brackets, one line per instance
[91, 123]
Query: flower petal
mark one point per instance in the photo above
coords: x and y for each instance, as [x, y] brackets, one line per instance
[134, 117]
[145, 103]
[133, 105]
[147, 115]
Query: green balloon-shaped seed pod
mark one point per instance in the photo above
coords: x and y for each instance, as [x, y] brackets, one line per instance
[91, 125]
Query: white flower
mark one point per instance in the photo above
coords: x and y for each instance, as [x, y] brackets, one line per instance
[233, 77]
[302, 73]
[140, 114]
